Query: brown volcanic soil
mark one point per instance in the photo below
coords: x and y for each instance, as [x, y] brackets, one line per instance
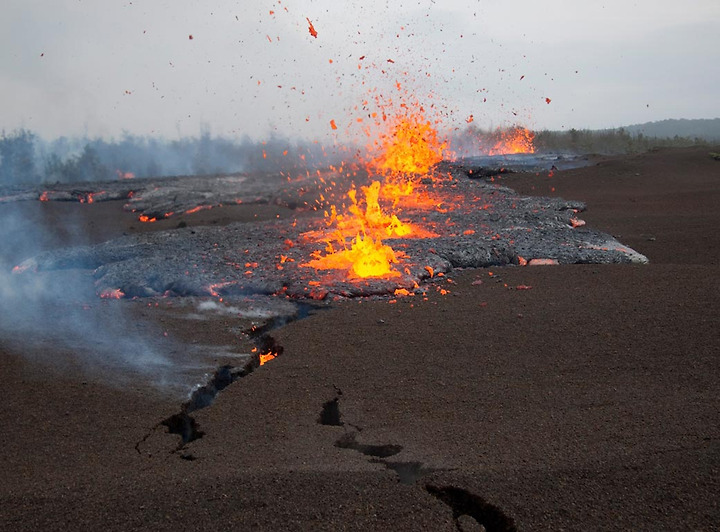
[589, 401]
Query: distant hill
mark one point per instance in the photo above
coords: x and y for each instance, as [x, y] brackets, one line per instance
[705, 129]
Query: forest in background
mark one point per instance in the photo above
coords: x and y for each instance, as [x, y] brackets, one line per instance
[25, 158]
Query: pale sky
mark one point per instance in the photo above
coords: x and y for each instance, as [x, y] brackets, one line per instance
[101, 67]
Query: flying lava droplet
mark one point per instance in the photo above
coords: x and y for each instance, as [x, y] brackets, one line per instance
[311, 28]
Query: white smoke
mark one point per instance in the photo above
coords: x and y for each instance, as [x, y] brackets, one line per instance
[55, 319]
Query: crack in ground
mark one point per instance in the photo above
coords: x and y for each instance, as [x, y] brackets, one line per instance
[465, 503]
[330, 414]
[407, 472]
[348, 441]
[185, 425]
[182, 423]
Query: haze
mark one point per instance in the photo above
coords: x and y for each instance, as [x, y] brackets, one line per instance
[175, 68]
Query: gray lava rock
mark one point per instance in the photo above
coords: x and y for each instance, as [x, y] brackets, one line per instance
[490, 226]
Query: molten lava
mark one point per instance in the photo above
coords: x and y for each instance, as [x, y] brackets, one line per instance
[365, 225]
[112, 294]
[370, 219]
[311, 28]
[411, 146]
[515, 140]
[408, 145]
[124, 175]
[366, 257]
[266, 357]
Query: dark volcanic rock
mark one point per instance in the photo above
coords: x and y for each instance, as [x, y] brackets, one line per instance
[487, 225]
[158, 198]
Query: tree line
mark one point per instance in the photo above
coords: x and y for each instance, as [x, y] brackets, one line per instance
[25, 158]
[475, 141]
[607, 142]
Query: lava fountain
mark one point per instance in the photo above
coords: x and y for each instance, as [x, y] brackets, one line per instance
[408, 147]
[514, 140]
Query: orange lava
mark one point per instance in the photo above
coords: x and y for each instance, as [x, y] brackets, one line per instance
[112, 294]
[368, 217]
[311, 28]
[364, 225]
[411, 146]
[267, 357]
[515, 140]
[20, 268]
[406, 145]
[543, 262]
[198, 209]
[366, 257]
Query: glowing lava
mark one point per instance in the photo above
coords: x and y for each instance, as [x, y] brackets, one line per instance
[265, 358]
[411, 147]
[366, 257]
[112, 294]
[124, 175]
[514, 140]
[365, 225]
[370, 219]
